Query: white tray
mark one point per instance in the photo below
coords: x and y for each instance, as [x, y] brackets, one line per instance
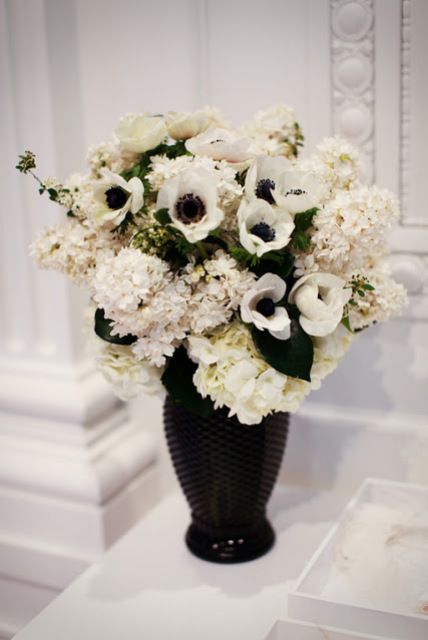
[306, 602]
[296, 630]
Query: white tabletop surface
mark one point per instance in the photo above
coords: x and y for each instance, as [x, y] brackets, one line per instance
[149, 587]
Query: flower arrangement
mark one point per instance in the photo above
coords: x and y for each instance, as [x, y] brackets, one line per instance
[220, 265]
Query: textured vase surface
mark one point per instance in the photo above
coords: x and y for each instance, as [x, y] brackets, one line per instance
[227, 472]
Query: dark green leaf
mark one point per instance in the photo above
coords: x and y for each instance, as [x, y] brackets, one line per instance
[53, 193]
[368, 287]
[178, 381]
[162, 216]
[275, 262]
[240, 177]
[216, 240]
[293, 357]
[303, 220]
[102, 328]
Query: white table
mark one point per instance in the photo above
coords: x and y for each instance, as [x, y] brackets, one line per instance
[149, 587]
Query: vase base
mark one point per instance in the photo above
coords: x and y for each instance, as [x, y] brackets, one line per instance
[227, 550]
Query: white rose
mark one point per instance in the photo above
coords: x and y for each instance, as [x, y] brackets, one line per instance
[301, 191]
[191, 200]
[182, 126]
[220, 144]
[258, 306]
[265, 178]
[140, 132]
[263, 228]
[320, 298]
[116, 197]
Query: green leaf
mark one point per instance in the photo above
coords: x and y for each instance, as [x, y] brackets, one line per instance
[368, 287]
[293, 357]
[243, 256]
[162, 216]
[300, 240]
[103, 328]
[346, 323]
[178, 381]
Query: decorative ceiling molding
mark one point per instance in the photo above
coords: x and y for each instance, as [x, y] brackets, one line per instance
[353, 76]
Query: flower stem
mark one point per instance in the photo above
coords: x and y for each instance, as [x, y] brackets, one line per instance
[200, 247]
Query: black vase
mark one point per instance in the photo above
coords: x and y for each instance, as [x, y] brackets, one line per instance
[227, 471]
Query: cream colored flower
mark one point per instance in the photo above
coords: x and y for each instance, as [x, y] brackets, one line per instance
[320, 298]
[116, 197]
[258, 306]
[263, 228]
[220, 144]
[182, 126]
[191, 200]
[140, 132]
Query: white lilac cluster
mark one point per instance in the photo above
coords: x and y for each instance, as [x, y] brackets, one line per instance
[220, 261]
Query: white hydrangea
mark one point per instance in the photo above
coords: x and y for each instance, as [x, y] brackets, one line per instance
[385, 301]
[127, 375]
[109, 155]
[349, 231]
[73, 248]
[233, 374]
[218, 287]
[337, 163]
[141, 296]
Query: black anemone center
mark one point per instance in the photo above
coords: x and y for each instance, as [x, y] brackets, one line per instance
[263, 231]
[116, 197]
[264, 190]
[296, 192]
[266, 307]
[190, 208]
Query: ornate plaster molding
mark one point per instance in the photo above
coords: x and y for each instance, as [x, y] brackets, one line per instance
[353, 96]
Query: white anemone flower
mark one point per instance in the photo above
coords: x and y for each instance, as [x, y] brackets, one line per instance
[140, 132]
[221, 144]
[258, 306]
[263, 228]
[265, 178]
[300, 191]
[191, 200]
[182, 126]
[116, 197]
[320, 298]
